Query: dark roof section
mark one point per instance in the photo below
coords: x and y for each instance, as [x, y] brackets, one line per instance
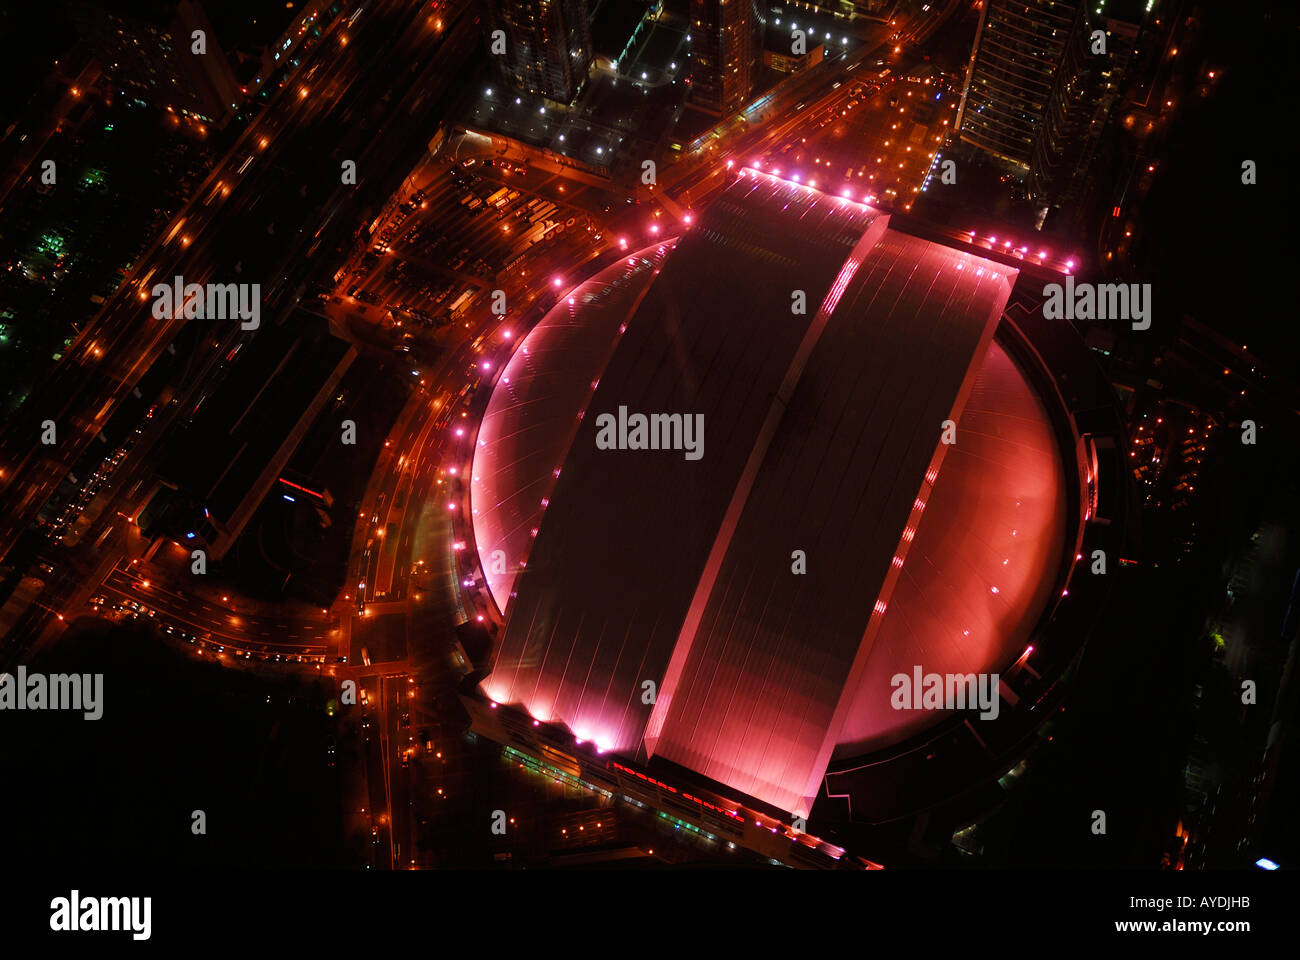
[157, 12]
[612, 24]
[240, 427]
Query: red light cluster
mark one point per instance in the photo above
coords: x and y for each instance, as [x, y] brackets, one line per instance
[706, 803]
[659, 783]
[642, 776]
[290, 483]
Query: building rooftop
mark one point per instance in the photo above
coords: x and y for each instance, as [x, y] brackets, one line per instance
[821, 435]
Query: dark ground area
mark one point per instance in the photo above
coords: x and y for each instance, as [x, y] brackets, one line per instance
[1220, 250]
[176, 736]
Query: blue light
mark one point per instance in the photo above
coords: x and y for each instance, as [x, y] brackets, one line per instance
[1264, 863]
[189, 536]
[289, 498]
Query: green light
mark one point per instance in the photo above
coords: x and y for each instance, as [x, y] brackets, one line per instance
[50, 244]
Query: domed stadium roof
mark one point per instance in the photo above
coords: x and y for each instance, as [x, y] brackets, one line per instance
[742, 613]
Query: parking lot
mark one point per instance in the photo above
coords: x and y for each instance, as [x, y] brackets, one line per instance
[451, 242]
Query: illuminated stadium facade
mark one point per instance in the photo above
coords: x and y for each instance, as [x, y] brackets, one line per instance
[717, 637]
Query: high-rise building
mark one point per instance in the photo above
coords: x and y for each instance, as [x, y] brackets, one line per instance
[726, 52]
[1043, 81]
[147, 48]
[1023, 49]
[1088, 86]
[547, 45]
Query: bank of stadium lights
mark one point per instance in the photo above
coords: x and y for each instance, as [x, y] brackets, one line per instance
[991, 241]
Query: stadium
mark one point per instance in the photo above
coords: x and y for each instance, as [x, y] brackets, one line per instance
[914, 473]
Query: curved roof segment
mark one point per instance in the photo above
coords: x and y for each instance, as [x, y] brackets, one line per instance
[533, 412]
[735, 613]
[974, 584]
